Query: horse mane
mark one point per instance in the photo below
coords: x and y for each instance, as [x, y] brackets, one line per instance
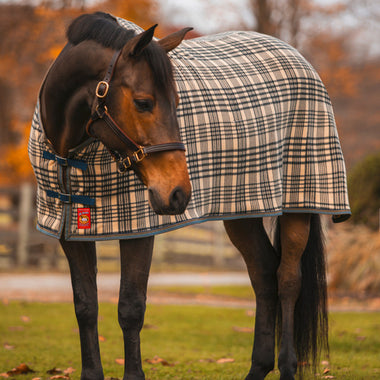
[100, 27]
[104, 29]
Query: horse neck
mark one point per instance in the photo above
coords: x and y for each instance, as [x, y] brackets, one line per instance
[68, 92]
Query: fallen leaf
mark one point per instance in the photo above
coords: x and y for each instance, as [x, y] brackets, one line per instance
[148, 326]
[243, 329]
[325, 363]
[54, 371]
[8, 346]
[37, 378]
[158, 360]
[22, 369]
[102, 338]
[119, 361]
[69, 370]
[4, 374]
[328, 377]
[206, 361]
[60, 377]
[326, 370]
[25, 318]
[225, 360]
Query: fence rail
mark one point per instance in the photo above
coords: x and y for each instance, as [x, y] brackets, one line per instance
[22, 245]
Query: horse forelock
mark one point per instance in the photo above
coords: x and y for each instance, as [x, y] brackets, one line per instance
[104, 29]
[161, 67]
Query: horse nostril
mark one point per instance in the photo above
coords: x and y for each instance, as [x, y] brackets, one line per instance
[178, 200]
[176, 203]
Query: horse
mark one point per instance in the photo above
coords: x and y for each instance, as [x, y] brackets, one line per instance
[115, 87]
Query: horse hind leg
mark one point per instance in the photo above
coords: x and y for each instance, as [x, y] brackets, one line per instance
[82, 262]
[294, 235]
[303, 292]
[135, 257]
[250, 238]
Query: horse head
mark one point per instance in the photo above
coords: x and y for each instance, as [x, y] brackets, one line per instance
[138, 98]
[109, 75]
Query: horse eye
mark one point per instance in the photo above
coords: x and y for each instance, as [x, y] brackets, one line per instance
[143, 105]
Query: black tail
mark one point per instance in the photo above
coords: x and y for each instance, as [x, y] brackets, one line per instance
[310, 317]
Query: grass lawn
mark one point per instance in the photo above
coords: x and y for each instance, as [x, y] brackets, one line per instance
[181, 342]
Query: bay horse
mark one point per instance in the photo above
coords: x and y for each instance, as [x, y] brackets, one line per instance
[117, 86]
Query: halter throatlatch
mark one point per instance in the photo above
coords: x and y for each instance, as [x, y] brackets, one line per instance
[139, 152]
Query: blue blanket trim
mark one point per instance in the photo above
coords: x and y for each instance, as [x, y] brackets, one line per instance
[63, 161]
[71, 198]
[173, 227]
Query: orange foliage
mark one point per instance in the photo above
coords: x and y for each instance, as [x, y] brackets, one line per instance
[140, 12]
[332, 59]
[30, 39]
[50, 54]
[14, 158]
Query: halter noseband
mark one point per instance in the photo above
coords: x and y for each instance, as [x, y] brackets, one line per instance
[124, 160]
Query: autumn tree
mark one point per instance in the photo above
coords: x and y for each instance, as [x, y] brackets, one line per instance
[6, 135]
[280, 18]
[142, 12]
[31, 37]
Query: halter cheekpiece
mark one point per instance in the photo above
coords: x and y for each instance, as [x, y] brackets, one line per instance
[124, 160]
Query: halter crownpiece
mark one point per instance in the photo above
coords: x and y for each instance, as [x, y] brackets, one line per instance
[124, 160]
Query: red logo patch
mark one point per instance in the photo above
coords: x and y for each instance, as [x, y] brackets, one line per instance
[84, 218]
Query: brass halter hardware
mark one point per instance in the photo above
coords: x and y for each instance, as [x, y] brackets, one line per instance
[125, 161]
[104, 92]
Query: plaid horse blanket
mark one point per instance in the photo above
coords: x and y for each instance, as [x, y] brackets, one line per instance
[260, 136]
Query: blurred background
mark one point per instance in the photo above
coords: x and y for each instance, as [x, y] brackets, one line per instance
[341, 40]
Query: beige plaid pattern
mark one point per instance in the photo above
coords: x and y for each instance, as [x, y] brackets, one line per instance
[260, 136]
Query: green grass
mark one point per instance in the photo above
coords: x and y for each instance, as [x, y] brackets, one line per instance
[190, 338]
[238, 292]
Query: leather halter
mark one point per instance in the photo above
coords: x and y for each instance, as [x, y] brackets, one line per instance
[124, 160]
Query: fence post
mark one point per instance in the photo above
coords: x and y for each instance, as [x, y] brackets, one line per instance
[25, 212]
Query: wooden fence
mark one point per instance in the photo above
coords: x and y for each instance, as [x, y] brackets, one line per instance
[22, 245]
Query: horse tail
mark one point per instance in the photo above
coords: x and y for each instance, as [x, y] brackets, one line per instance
[310, 315]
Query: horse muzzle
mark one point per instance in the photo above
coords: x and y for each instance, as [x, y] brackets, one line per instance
[175, 204]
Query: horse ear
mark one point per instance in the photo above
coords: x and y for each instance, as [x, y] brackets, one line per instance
[137, 44]
[173, 40]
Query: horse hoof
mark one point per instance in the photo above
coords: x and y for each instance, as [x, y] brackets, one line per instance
[255, 375]
[91, 375]
[287, 375]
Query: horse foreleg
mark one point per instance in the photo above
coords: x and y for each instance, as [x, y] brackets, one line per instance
[294, 234]
[82, 261]
[136, 257]
[250, 238]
